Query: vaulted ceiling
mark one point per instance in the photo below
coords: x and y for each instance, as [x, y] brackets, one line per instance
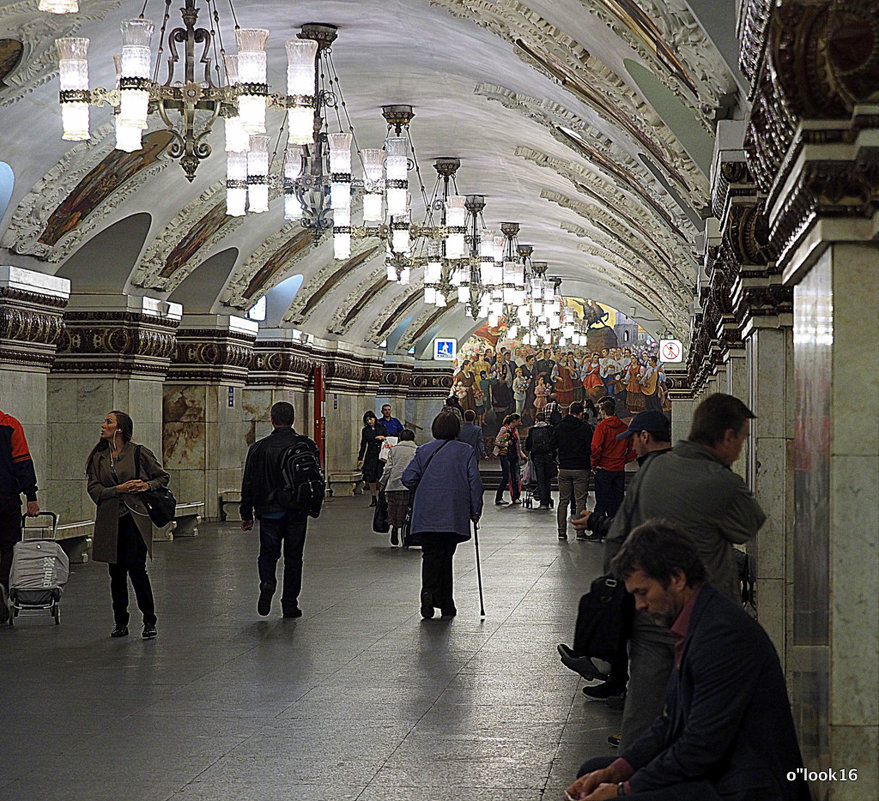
[590, 122]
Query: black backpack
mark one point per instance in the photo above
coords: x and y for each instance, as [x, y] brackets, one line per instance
[541, 441]
[302, 481]
[604, 619]
[555, 416]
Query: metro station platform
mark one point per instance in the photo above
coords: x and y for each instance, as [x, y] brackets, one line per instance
[358, 699]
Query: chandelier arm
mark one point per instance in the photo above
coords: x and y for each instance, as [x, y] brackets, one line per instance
[165, 18]
[203, 35]
[177, 147]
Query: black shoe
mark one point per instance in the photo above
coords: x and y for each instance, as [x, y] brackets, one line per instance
[119, 631]
[449, 612]
[290, 613]
[579, 664]
[581, 536]
[426, 605]
[614, 741]
[149, 631]
[500, 502]
[373, 502]
[563, 537]
[4, 605]
[264, 605]
[395, 537]
[602, 692]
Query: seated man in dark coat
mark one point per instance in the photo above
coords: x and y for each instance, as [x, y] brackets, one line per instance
[726, 733]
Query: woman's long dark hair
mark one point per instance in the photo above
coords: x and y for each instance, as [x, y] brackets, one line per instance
[124, 425]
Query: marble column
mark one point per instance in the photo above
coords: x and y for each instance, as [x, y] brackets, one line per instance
[394, 387]
[429, 387]
[31, 309]
[204, 431]
[114, 353]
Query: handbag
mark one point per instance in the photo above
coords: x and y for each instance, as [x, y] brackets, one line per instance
[160, 503]
[380, 523]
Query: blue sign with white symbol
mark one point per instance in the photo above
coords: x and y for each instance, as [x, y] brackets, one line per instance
[445, 350]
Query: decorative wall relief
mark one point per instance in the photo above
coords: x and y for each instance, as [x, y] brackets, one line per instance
[37, 32]
[211, 356]
[384, 323]
[109, 174]
[322, 283]
[195, 237]
[420, 326]
[574, 132]
[80, 183]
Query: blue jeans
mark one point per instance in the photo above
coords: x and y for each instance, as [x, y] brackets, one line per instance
[272, 533]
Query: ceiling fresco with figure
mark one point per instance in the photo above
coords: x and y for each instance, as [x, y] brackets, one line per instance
[589, 122]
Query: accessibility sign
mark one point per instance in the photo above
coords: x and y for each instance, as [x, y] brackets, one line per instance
[445, 350]
[671, 350]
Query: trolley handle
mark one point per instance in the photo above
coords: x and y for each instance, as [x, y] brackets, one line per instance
[25, 528]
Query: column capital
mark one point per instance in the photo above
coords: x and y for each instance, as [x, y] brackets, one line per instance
[31, 310]
[213, 349]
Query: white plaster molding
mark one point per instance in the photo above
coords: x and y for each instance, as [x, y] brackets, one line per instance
[233, 294]
[336, 325]
[660, 265]
[415, 289]
[686, 39]
[37, 31]
[646, 216]
[513, 21]
[30, 217]
[408, 338]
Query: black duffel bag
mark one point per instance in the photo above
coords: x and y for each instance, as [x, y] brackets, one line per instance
[604, 619]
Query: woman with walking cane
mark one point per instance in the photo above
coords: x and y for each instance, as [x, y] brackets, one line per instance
[444, 479]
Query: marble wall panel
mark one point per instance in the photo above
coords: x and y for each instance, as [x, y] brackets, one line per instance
[681, 418]
[184, 447]
[858, 747]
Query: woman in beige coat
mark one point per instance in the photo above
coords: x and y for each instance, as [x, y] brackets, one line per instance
[123, 529]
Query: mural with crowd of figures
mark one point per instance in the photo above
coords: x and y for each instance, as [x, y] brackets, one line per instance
[611, 356]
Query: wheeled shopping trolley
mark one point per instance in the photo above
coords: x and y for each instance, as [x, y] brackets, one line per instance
[39, 571]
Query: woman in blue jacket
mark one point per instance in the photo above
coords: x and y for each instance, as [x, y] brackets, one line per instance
[444, 478]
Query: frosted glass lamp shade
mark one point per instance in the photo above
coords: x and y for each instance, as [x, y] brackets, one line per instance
[372, 207]
[252, 54]
[463, 294]
[75, 121]
[341, 245]
[301, 56]
[257, 174]
[300, 125]
[391, 271]
[128, 137]
[513, 331]
[400, 240]
[59, 6]
[397, 158]
[292, 207]
[397, 201]
[493, 319]
[236, 201]
[134, 107]
[373, 159]
[340, 152]
[252, 113]
[237, 139]
[441, 301]
[456, 213]
[340, 195]
[430, 295]
[73, 63]
[405, 276]
[433, 272]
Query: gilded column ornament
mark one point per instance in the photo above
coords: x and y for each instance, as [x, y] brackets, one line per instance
[30, 327]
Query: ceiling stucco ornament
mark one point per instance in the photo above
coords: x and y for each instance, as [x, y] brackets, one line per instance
[323, 282]
[147, 272]
[384, 322]
[419, 327]
[647, 213]
[371, 285]
[691, 47]
[662, 268]
[38, 32]
[234, 295]
[590, 80]
[615, 161]
[30, 218]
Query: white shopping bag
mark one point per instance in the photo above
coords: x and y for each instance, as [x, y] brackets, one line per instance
[386, 448]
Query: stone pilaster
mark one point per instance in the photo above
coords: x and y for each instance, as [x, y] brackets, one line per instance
[204, 433]
[113, 354]
[429, 386]
[395, 384]
[31, 311]
[811, 145]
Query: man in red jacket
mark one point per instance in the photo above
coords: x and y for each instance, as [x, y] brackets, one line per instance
[609, 459]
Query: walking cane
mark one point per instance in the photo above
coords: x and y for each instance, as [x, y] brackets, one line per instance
[478, 569]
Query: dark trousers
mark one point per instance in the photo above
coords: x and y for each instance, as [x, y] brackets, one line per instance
[509, 477]
[685, 791]
[437, 551]
[544, 468]
[272, 533]
[610, 486]
[131, 554]
[10, 532]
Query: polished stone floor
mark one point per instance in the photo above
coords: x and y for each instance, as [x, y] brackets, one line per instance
[358, 699]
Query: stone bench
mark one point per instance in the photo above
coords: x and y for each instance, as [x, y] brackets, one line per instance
[231, 497]
[345, 483]
[185, 522]
[75, 539]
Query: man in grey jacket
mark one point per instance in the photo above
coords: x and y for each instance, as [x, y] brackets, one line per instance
[694, 487]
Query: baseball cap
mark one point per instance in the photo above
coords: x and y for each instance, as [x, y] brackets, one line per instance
[653, 421]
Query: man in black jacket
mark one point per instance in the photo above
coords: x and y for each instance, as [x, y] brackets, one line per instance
[541, 445]
[574, 437]
[726, 733]
[277, 523]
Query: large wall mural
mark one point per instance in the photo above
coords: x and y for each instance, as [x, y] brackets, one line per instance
[10, 56]
[194, 238]
[496, 375]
